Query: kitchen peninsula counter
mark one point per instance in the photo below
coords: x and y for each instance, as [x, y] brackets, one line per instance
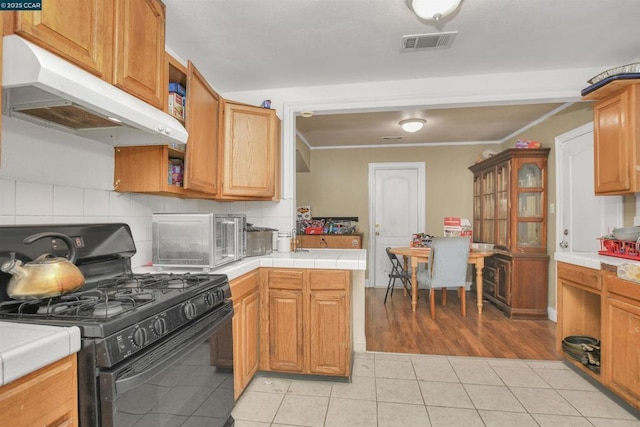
[354, 260]
[25, 348]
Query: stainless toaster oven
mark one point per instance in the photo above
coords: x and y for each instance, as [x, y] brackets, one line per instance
[200, 240]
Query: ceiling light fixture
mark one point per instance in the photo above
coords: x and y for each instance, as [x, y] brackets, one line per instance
[434, 9]
[306, 113]
[412, 125]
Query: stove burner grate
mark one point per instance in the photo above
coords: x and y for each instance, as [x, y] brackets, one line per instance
[95, 303]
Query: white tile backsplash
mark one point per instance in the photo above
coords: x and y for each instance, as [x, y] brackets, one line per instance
[140, 205]
[8, 197]
[68, 201]
[34, 199]
[96, 202]
[171, 204]
[7, 219]
[119, 204]
[84, 195]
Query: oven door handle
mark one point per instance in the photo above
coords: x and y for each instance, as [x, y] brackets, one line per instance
[151, 363]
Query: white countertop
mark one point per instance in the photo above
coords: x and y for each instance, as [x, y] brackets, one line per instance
[25, 348]
[591, 259]
[332, 259]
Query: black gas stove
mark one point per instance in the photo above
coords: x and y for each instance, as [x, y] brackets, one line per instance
[129, 322]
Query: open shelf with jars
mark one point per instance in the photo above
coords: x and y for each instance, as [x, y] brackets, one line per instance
[509, 210]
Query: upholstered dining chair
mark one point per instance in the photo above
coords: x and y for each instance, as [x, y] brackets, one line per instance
[397, 272]
[447, 268]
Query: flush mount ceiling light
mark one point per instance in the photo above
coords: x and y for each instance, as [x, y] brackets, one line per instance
[306, 113]
[412, 125]
[434, 9]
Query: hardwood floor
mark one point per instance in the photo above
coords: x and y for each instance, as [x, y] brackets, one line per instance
[395, 328]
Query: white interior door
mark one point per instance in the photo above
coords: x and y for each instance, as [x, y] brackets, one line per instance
[582, 216]
[396, 206]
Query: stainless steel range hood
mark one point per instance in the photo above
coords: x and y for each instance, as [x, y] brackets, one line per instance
[43, 88]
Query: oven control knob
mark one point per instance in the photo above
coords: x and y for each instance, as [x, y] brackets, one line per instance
[210, 299]
[189, 310]
[159, 327]
[140, 337]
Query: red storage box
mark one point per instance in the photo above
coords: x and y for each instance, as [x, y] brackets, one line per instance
[313, 230]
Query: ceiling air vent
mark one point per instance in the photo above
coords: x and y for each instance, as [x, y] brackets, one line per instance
[428, 41]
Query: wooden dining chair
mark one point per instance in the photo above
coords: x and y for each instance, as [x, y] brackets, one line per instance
[397, 272]
[447, 268]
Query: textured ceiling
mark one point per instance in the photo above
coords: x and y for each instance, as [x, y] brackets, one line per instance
[243, 45]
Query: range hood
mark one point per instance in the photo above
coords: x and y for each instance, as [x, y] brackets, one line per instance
[41, 87]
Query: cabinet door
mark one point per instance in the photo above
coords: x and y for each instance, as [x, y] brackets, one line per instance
[80, 31]
[612, 144]
[46, 397]
[503, 280]
[328, 328]
[286, 347]
[139, 49]
[530, 219]
[489, 277]
[250, 336]
[249, 151]
[488, 206]
[203, 118]
[502, 205]
[620, 355]
[477, 206]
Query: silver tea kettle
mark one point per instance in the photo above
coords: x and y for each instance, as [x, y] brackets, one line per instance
[46, 276]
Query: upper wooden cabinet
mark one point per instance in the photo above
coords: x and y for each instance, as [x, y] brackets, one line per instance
[139, 49]
[203, 125]
[144, 169]
[616, 117]
[80, 31]
[120, 41]
[250, 153]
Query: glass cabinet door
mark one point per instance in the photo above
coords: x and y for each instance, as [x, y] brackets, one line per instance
[502, 208]
[477, 204]
[530, 206]
[488, 206]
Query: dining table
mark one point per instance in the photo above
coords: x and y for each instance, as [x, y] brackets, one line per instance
[420, 255]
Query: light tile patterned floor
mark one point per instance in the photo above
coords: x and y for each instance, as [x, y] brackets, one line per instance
[418, 390]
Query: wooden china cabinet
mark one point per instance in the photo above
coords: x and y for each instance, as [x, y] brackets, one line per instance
[509, 210]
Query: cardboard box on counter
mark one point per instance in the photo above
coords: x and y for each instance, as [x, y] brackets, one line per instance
[455, 226]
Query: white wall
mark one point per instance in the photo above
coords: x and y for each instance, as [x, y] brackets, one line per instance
[51, 177]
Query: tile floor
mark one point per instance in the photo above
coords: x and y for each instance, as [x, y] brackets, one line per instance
[419, 390]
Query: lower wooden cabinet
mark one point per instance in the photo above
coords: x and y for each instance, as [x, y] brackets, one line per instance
[246, 320]
[330, 241]
[517, 284]
[305, 322]
[620, 358]
[598, 304]
[46, 397]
